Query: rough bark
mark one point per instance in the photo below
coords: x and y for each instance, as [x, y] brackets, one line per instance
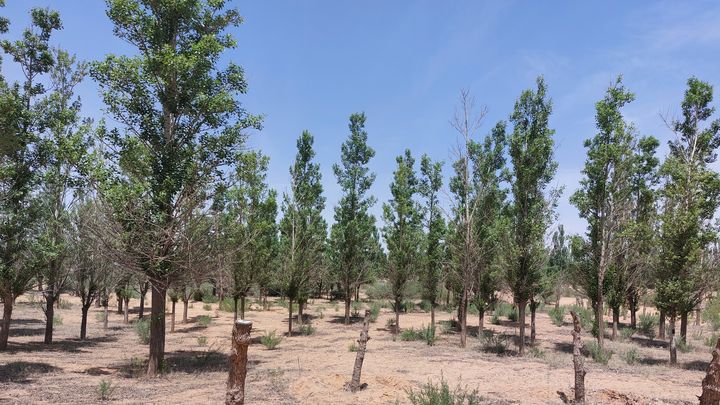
[600, 318]
[354, 384]
[711, 382]
[235, 394]
[578, 361]
[533, 310]
[126, 314]
[633, 317]
[521, 318]
[8, 302]
[119, 305]
[462, 318]
[105, 314]
[481, 323]
[185, 310]
[235, 308]
[300, 313]
[290, 317]
[673, 341]
[242, 307]
[172, 317]
[661, 325]
[141, 314]
[683, 326]
[616, 322]
[157, 330]
[432, 317]
[397, 315]
[347, 308]
[49, 315]
[83, 322]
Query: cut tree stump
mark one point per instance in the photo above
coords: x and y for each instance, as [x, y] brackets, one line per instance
[354, 384]
[578, 361]
[711, 382]
[235, 394]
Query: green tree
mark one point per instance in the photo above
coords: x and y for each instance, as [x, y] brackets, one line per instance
[690, 197]
[431, 275]
[180, 122]
[353, 245]
[603, 198]
[403, 230]
[303, 230]
[556, 271]
[22, 124]
[531, 211]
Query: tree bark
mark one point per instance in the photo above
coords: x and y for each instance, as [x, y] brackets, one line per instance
[119, 305]
[521, 318]
[8, 301]
[711, 382]
[533, 310]
[360, 356]
[481, 323]
[235, 308]
[683, 326]
[142, 306]
[600, 318]
[432, 317]
[172, 317]
[661, 325]
[83, 322]
[49, 316]
[242, 307]
[157, 330]
[673, 341]
[347, 308]
[397, 316]
[126, 315]
[185, 310]
[300, 313]
[616, 322]
[462, 317]
[290, 317]
[578, 361]
[105, 314]
[235, 394]
[633, 317]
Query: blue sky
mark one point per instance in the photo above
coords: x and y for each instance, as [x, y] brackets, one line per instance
[310, 64]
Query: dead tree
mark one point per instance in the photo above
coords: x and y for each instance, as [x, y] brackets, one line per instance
[354, 384]
[711, 382]
[235, 394]
[578, 362]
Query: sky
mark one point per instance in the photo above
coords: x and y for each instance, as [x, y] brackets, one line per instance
[310, 64]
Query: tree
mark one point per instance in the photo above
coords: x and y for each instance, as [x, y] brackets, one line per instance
[351, 237]
[22, 158]
[180, 123]
[690, 197]
[402, 231]
[431, 275]
[556, 271]
[531, 211]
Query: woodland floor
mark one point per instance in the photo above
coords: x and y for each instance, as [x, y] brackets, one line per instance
[313, 369]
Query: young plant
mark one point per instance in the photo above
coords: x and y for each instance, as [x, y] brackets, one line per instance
[105, 390]
[442, 394]
[270, 340]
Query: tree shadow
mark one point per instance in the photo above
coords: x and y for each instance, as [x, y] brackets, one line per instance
[647, 342]
[564, 347]
[18, 332]
[651, 361]
[64, 345]
[22, 371]
[198, 361]
[340, 319]
[697, 365]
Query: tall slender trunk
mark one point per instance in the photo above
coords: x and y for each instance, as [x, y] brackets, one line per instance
[673, 341]
[119, 305]
[463, 317]
[481, 323]
[290, 317]
[49, 316]
[600, 318]
[661, 325]
[242, 307]
[8, 301]
[235, 308]
[432, 318]
[172, 317]
[142, 305]
[126, 314]
[185, 310]
[521, 318]
[633, 317]
[347, 308]
[697, 316]
[83, 321]
[357, 294]
[578, 361]
[354, 384]
[105, 314]
[616, 322]
[683, 326]
[300, 319]
[157, 330]
[533, 310]
[397, 315]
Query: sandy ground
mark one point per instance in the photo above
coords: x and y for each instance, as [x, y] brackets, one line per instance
[313, 369]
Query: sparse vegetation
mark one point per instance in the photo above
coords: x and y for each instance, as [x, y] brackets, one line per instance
[441, 394]
[204, 320]
[270, 340]
[557, 315]
[647, 324]
[105, 390]
[599, 355]
[202, 340]
[631, 356]
[142, 328]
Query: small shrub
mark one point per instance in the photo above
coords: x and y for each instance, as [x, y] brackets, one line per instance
[142, 328]
[513, 316]
[413, 289]
[270, 340]
[202, 340]
[379, 290]
[57, 320]
[626, 333]
[631, 356]
[497, 344]
[105, 390]
[446, 326]
[356, 307]
[307, 330]
[390, 324]
[502, 308]
[99, 316]
[428, 335]
[647, 324]
[352, 347]
[711, 313]
[374, 311]
[425, 305]
[557, 316]
[536, 352]
[407, 306]
[204, 320]
[65, 304]
[411, 334]
[473, 310]
[210, 299]
[495, 320]
[711, 340]
[227, 305]
[442, 394]
[598, 355]
[207, 307]
[282, 302]
[683, 346]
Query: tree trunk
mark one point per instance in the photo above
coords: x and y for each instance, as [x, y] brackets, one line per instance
[142, 306]
[242, 307]
[49, 316]
[521, 318]
[397, 316]
[357, 294]
[673, 341]
[711, 382]
[481, 323]
[360, 356]
[463, 318]
[83, 322]
[8, 301]
[633, 317]
[119, 305]
[126, 315]
[661, 325]
[683, 326]
[616, 322]
[697, 316]
[185, 310]
[172, 317]
[235, 308]
[157, 330]
[290, 317]
[300, 313]
[600, 318]
[235, 394]
[578, 361]
[105, 314]
[533, 310]
[347, 308]
[432, 318]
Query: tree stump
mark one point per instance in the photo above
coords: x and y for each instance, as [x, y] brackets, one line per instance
[235, 394]
[354, 384]
[578, 361]
[711, 382]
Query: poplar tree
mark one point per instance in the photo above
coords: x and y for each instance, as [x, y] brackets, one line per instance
[180, 122]
[531, 211]
[353, 241]
[303, 230]
[402, 231]
[431, 275]
[690, 196]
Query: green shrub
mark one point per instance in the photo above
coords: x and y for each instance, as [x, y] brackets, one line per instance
[270, 340]
[207, 307]
[282, 302]
[446, 326]
[356, 307]
[586, 315]
[536, 352]
[227, 305]
[502, 308]
[100, 316]
[413, 290]
[631, 356]
[442, 394]
[204, 320]
[557, 316]
[711, 313]
[57, 320]
[513, 316]
[205, 289]
[65, 304]
[202, 340]
[352, 347]
[390, 324]
[495, 320]
[425, 305]
[497, 344]
[601, 356]
[411, 334]
[711, 340]
[647, 325]
[142, 328]
[379, 290]
[428, 335]
[407, 306]
[307, 330]
[210, 299]
[683, 346]
[105, 390]
[626, 333]
[374, 311]
[472, 309]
